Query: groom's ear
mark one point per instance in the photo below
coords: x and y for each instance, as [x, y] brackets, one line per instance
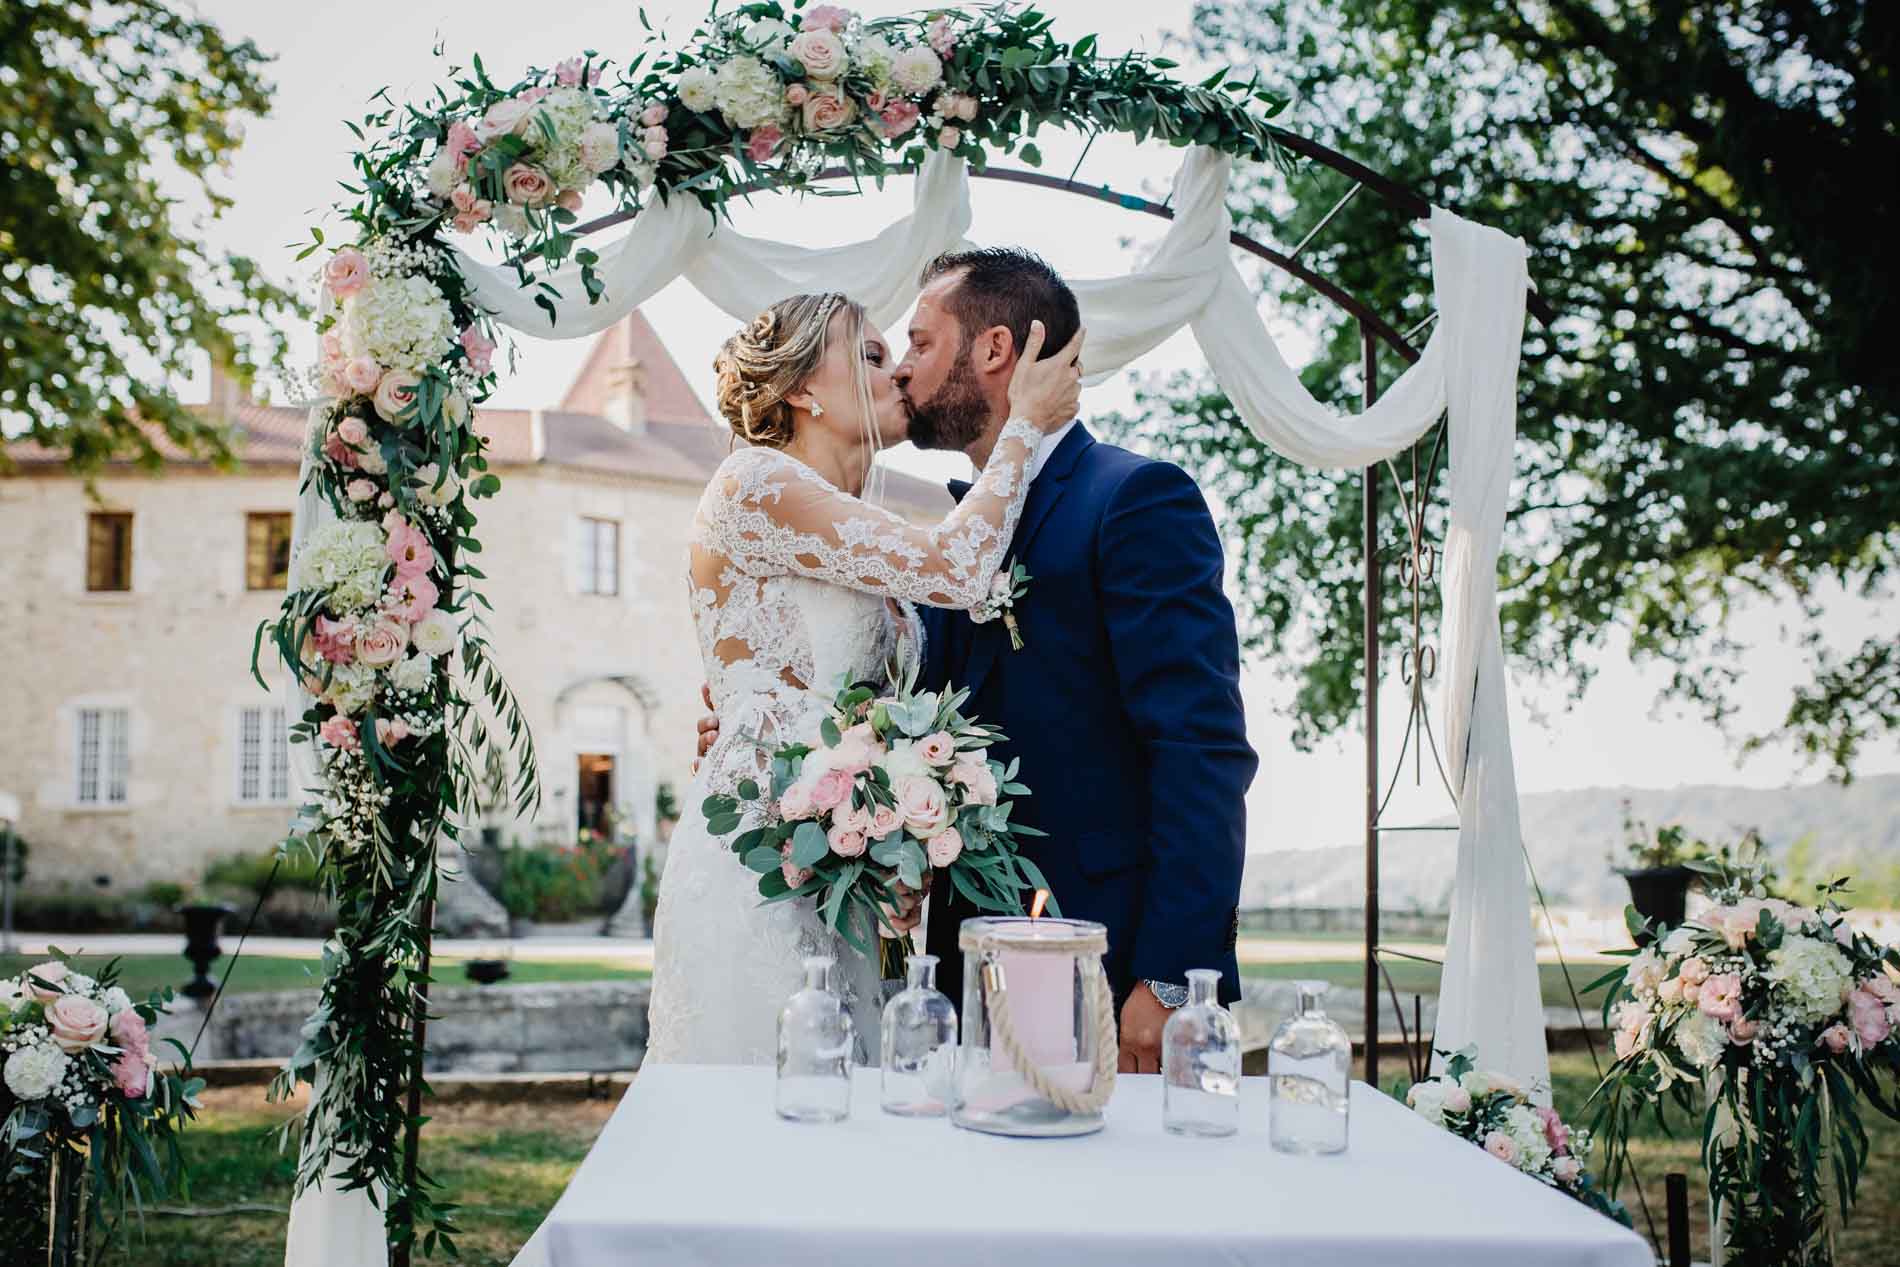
[993, 351]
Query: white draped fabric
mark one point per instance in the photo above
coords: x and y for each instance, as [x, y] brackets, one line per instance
[1490, 996]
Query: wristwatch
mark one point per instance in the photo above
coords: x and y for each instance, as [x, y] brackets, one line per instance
[1168, 995]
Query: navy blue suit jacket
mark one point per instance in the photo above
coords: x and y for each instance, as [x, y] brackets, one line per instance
[1124, 707]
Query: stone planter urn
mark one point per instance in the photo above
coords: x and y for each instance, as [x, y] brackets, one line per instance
[203, 920]
[1660, 894]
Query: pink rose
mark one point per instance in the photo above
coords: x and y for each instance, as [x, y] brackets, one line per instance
[391, 732]
[1741, 1030]
[362, 374]
[796, 803]
[478, 348]
[884, 821]
[1554, 1129]
[1566, 1171]
[899, 117]
[408, 546]
[1501, 1146]
[1457, 1100]
[653, 116]
[1690, 992]
[653, 143]
[826, 17]
[943, 40]
[845, 842]
[336, 639]
[569, 72]
[945, 847]
[875, 101]
[132, 1075]
[128, 1031]
[531, 95]
[395, 396]
[412, 597]
[794, 874]
[1721, 996]
[1869, 1017]
[462, 142]
[340, 453]
[1835, 1038]
[359, 490]
[568, 200]
[826, 111]
[1694, 970]
[352, 430]
[832, 790]
[796, 95]
[966, 108]
[764, 142]
[53, 973]
[527, 185]
[76, 1022]
[505, 116]
[976, 778]
[937, 749]
[346, 272]
[382, 644]
[949, 138]
[920, 801]
[338, 732]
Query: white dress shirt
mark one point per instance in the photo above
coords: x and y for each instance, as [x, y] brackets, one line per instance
[1048, 446]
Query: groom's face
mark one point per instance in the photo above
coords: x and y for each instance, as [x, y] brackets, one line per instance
[938, 377]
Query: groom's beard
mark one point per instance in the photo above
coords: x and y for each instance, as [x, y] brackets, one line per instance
[955, 415]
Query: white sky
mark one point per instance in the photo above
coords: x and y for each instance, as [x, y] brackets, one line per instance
[332, 57]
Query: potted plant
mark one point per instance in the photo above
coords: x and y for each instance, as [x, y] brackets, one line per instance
[666, 811]
[1659, 872]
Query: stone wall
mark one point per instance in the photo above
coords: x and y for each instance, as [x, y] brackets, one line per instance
[572, 1027]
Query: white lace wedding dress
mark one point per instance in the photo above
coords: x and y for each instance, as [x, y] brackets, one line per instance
[796, 586]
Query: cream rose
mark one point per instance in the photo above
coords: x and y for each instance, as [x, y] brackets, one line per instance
[394, 394]
[845, 842]
[527, 186]
[77, 1023]
[505, 116]
[382, 644]
[945, 847]
[884, 821]
[921, 803]
[825, 112]
[53, 973]
[426, 491]
[822, 53]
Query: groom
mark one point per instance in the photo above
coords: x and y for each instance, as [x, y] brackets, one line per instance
[1124, 702]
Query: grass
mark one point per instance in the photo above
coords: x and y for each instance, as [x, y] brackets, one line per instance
[1410, 977]
[140, 974]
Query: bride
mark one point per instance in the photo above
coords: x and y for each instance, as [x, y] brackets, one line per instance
[797, 581]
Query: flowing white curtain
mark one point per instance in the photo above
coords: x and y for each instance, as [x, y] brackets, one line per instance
[1467, 373]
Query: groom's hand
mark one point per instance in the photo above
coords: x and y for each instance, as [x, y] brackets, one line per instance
[1143, 1019]
[708, 727]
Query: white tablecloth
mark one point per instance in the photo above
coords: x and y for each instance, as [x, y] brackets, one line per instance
[694, 1168]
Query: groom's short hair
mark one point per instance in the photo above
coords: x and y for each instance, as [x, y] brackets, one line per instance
[1011, 287]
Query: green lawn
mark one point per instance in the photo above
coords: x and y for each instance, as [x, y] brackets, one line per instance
[506, 1164]
[140, 974]
[1410, 977]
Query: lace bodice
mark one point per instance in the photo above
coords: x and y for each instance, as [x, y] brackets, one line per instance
[796, 584]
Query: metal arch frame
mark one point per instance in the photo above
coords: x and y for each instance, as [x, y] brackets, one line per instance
[1418, 561]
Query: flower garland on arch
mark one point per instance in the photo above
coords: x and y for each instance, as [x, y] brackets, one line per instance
[409, 712]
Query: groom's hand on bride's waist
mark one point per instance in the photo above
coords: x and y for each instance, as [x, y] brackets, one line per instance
[708, 726]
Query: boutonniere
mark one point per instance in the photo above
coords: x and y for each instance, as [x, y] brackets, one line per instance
[1006, 588]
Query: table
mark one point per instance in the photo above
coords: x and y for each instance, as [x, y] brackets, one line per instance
[694, 1168]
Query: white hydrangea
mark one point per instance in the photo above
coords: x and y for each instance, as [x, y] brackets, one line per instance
[1702, 1039]
[916, 70]
[1526, 1129]
[12, 993]
[412, 673]
[875, 57]
[1813, 975]
[696, 90]
[115, 1000]
[352, 688]
[33, 1072]
[80, 983]
[347, 557]
[1428, 1100]
[567, 167]
[570, 110]
[398, 322]
[749, 93]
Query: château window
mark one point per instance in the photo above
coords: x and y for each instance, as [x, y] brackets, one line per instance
[263, 775]
[108, 551]
[104, 756]
[599, 562]
[267, 550]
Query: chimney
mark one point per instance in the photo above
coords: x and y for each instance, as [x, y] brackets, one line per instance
[626, 404]
[227, 393]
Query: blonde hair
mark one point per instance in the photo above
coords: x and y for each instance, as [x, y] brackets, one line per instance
[776, 355]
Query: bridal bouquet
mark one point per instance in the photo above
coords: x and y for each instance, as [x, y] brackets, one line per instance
[1494, 1113]
[79, 1081]
[888, 783]
[1785, 1018]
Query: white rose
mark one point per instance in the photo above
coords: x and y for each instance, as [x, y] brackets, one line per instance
[116, 1000]
[434, 634]
[903, 762]
[33, 1072]
[426, 491]
[444, 173]
[696, 90]
[916, 71]
[1428, 1100]
[1702, 1039]
[412, 673]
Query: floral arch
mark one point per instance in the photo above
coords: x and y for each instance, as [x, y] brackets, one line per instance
[402, 708]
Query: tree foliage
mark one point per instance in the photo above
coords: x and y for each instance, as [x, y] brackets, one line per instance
[108, 284]
[1708, 191]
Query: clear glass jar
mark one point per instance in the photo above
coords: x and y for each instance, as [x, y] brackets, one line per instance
[920, 1045]
[814, 1050]
[1200, 1063]
[1308, 1077]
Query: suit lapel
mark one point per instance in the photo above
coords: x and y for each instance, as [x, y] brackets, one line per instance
[1050, 484]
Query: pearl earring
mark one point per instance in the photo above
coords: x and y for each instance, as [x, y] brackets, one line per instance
[817, 410]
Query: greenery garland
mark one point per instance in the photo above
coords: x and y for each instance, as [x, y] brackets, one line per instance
[381, 619]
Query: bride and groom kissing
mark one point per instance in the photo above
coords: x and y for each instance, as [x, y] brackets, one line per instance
[1122, 704]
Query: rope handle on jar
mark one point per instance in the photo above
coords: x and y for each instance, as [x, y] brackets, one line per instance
[1097, 1001]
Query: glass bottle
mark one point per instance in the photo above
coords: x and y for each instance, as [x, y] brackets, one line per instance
[1200, 1062]
[1308, 1068]
[814, 1050]
[920, 1045]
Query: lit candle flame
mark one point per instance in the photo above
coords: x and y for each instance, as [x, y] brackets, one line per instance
[1042, 900]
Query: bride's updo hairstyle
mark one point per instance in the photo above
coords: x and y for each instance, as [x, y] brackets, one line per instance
[773, 358]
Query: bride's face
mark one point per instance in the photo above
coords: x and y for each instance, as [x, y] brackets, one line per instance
[834, 387]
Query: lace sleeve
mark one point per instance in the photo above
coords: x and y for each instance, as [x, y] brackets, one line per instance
[770, 514]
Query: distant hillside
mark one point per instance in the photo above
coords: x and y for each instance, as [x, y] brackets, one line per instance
[1572, 835]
